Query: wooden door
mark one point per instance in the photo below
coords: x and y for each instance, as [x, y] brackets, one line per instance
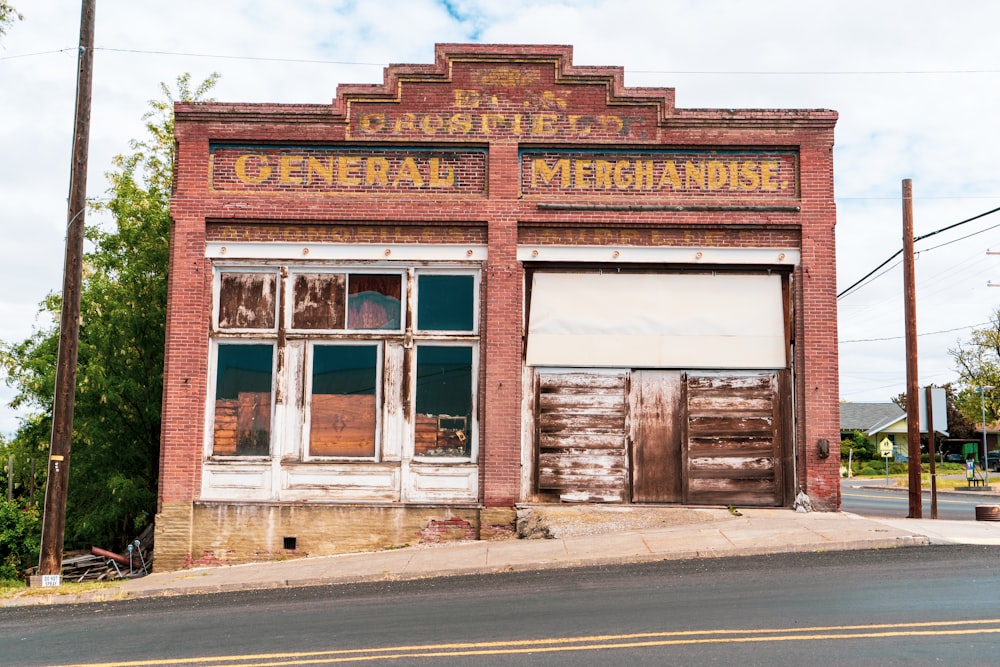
[581, 436]
[655, 416]
[734, 440]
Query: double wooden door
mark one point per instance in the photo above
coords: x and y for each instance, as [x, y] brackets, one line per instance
[659, 436]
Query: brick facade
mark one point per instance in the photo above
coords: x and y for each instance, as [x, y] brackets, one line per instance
[465, 164]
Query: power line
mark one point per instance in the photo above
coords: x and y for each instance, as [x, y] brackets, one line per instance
[845, 292]
[929, 333]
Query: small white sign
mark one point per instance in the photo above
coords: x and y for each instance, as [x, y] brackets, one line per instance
[885, 447]
[51, 579]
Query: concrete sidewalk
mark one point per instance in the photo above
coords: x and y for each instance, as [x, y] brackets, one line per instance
[704, 533]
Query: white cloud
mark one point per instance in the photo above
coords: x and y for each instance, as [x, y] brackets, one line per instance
[916, 84]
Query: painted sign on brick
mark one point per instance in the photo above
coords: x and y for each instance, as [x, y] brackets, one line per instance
[348, 170]
[687, 173]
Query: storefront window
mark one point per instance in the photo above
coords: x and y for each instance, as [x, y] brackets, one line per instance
[343, 416]
[243, 390]
[443, 401]
[373, 301]
[445, 302]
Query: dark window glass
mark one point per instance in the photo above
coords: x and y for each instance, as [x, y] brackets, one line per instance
[443, 401]
[373, 301]
[318, 301]
[445, 303]
[343, 413]
[243, 400]
[246, 300]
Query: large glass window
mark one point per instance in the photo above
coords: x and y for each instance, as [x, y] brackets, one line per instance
[336, 301]
[357, 352]
[247, 300]
[243, 390]
[343, 416]
[443, 401]
[445, 302]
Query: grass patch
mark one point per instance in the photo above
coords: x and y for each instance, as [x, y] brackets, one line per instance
[19, 589]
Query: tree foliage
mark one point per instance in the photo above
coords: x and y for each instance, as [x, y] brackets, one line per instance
[7, 16]
[977, 362]
[116, 426]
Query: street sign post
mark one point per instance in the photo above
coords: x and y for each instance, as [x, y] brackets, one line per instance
[885, 450]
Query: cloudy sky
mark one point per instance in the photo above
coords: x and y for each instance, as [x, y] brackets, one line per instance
[917, 88]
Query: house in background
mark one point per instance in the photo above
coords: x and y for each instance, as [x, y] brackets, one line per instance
[876, 421]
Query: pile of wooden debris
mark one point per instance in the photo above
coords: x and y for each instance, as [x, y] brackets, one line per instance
[102, 565]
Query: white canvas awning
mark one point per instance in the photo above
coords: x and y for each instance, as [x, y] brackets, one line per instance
[657, 320]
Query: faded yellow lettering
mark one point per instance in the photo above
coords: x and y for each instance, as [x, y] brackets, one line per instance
[768, 170]
[575, 126]
[431, 123]
[695, 174]
[377, 171]
[490, 122]
[348, 170]
[460, 123]
[259, 174]
[370, 123]
[466, 99]
[749, 179]
[623, 179]
[436, 179]
[583, 169]
[552, 101]
[516, 127]
[406, 122]
[670, 174]
[543, 124]
[602, 174]
[287, 165]
[613, 124]
[541, 170]
[717, 175]
[320, 168]
[643, 174]
[409, 171]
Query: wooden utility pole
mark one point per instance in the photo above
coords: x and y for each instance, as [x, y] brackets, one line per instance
[912, 386]
[57, 482]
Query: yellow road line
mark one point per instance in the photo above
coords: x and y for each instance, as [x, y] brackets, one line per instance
[582, 643]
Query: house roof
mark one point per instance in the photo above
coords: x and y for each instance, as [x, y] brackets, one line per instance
[866, 416]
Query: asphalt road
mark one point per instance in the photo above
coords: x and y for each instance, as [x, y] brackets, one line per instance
[871, 500]
[913, 606]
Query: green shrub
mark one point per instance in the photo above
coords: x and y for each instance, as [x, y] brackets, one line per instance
[20, 537]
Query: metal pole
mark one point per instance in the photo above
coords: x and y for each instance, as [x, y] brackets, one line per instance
[912, 388]
[54, 517]
[982, 402]
[928, 392]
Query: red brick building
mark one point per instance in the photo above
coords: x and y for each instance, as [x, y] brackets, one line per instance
[498, 279]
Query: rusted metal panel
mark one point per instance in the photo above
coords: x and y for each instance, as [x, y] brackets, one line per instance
[319, 301]
[656, 438]
[733, 440]
[247, 300]
[581, 436]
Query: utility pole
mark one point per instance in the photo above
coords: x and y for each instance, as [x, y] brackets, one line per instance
[57, 482]
[912, 388]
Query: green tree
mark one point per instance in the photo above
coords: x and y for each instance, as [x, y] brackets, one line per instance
[116, 428]
[7, 16]
[977, 362]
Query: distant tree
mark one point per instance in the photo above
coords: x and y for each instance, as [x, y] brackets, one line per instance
[977, 362]
[7, 16]
[863, 447]
[116, 427]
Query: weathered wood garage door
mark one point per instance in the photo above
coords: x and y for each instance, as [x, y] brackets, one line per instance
[655, 426]
[734, 445]
[581, 436]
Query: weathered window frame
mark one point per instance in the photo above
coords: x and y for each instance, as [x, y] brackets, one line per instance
[403, 340]
[309, 399]
[212, 395]
[219, 278]
[446, 431]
